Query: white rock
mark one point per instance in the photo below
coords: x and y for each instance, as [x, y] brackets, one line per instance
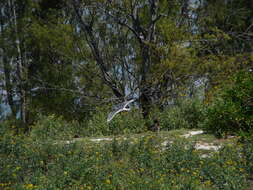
[100, 139]
[192, 133]
[206, 146]
[165, 143]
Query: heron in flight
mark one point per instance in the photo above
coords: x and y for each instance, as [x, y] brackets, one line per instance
[119, 108]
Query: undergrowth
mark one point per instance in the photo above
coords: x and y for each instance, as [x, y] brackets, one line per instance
[29, 164]
[232, 109]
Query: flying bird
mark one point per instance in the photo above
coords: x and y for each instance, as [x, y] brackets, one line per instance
[119, 108]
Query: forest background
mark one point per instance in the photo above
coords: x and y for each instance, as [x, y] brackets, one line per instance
[75, 59]
[65, 63]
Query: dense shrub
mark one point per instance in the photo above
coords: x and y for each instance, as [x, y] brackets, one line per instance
[172, 118]
[187, 113]
[184, 115]
[122, 123]
[232, 110]
[6, 128]
[53, 127]
[192, 111]
[14, 126]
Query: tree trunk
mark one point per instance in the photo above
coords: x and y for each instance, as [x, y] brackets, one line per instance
[7, 73]
[8, 86]
[20, 69]
[87, 28]
[145, 99]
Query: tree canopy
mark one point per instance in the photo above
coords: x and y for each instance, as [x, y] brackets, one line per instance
[71, 57]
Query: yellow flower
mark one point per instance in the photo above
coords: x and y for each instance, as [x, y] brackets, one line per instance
[18, 168]
[29, 186]
[208, 182]
[4, 184]
[107, 181]
[229, 162]
[65, 173]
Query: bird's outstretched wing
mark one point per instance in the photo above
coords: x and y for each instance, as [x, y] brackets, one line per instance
[122, 105]
[112, 114]
[128, 102]
[119, 108]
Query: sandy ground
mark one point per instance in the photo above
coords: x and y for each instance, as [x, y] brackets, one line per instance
[192, 133]
[198, 146]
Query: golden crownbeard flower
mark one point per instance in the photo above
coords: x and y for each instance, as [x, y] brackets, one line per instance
[29, 186]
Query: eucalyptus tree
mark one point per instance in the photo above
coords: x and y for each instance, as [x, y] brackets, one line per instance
[37, 59]
[82, 52]
[223, 40]
[13, 54]
[62, 83]
[226, 26]
[144, 34]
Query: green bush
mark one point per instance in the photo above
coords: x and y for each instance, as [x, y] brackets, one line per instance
[53, 127]
[186, 114]
[232, 110]
[13, 125]
[122, 123]
[172, 118]
[191, 110]
[6, 128]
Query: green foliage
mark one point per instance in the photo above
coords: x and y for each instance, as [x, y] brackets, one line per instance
[26, 164]
[12, 126]
[232, 110]
[123, 123]
[172, 118]
[247, 147]
[216, 23]
[53, 127]
[187, 113]
[192, 111]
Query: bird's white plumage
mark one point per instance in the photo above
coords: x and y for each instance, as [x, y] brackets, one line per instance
[119, 108]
